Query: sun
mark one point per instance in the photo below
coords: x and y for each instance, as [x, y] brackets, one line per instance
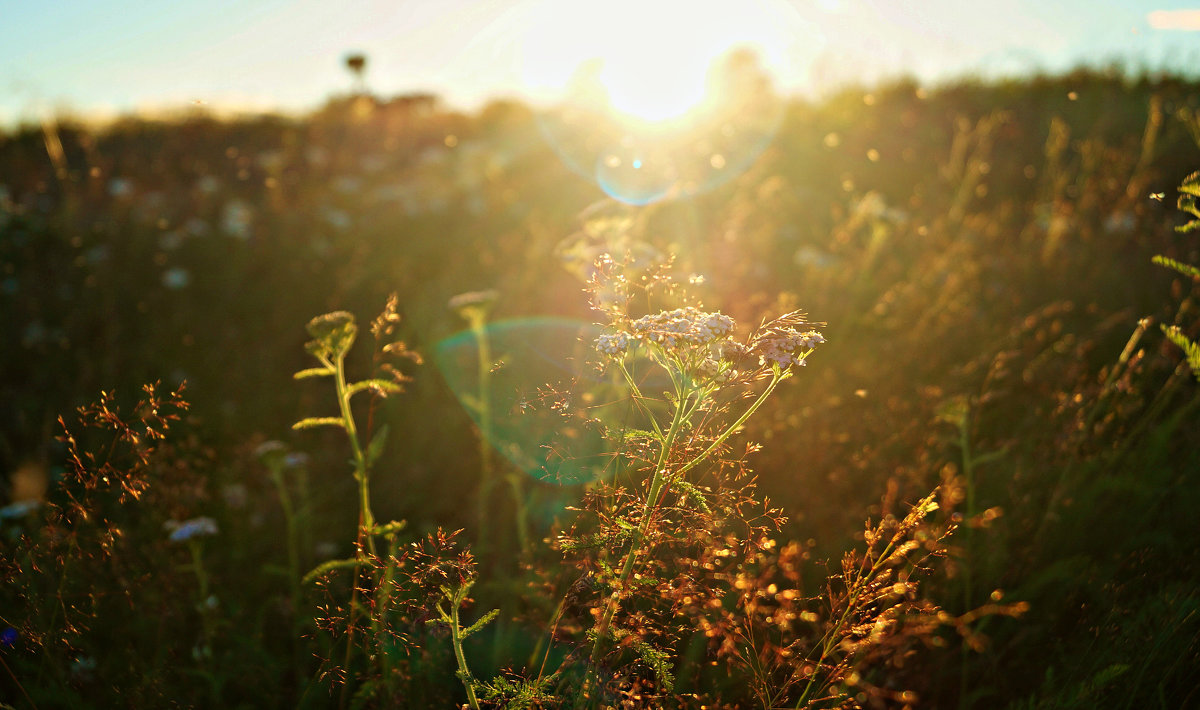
[649, 60]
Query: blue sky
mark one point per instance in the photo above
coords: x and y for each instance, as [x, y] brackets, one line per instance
[105, 56]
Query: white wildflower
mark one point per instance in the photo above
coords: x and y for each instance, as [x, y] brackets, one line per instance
[188, 529]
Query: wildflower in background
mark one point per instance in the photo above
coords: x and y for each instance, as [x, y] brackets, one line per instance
[176, 278]
[19, 509]
[235, 495]
[473, 304]
[191, 529]
[120, 188]
[270, 451]
[196, 227]
[8, 637]
[237, 219]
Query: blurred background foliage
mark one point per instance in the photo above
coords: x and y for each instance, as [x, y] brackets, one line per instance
[980, 251]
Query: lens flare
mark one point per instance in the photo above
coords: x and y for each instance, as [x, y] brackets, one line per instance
[662, 98]
[553, 440]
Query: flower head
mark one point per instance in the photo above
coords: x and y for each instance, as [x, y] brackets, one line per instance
[673, 330]
[474, 305]
[786, 341]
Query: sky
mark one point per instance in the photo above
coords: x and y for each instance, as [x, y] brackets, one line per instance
[98, 58]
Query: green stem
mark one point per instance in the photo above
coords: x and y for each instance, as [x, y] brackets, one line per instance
[366, 520]
[456, 637]
[485, 422]
[776, 378]
[656, 484]
[293, 545]
[639, 399]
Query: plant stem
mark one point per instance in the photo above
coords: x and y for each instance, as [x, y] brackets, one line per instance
[854, 591]
[656, 484]
[776, 378]
[964, 443]
[293, 548]
[485, 423]
[456, 638]
[366, 520]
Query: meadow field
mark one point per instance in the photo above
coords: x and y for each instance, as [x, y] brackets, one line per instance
[391, 405]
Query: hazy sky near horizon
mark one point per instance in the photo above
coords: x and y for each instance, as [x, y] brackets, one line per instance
[99, 57]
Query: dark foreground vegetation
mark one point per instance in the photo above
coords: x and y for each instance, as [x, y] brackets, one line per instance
[981, 254]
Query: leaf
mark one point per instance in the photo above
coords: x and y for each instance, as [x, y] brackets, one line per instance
[690, 491]
[312, 372]
[1191, 184]
[391, 528]
[989, 457]
[1185, 269]
[658, 660]
[380, 387]
[365, 694]
[638, 434]
[375, 448]
[331, 565]
[483, 621]
[1190, 349]
[313, 422]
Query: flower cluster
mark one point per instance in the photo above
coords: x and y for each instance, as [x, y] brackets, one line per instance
[786, 347]
[613, 344]
[670, 329]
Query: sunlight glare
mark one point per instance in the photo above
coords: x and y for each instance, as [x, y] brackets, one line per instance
[648, 59]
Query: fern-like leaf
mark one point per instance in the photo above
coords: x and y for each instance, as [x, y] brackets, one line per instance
[327, 567]
[1191, 185]
[1185, 269]
[1190, 349]
[381, 387]
[483, 621]
[313, 422]
[375, 448]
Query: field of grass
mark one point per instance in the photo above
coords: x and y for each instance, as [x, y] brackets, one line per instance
[977, 261]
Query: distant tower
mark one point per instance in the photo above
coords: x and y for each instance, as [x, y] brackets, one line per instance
[357, 64]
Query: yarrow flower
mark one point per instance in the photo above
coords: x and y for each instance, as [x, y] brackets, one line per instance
[671, 329]
[786, 347]
[188, 529]
[683, 325]
[613, 343]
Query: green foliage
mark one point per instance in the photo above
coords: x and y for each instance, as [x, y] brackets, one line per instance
[1190, 349]
[1189, 192]
[1185, 269]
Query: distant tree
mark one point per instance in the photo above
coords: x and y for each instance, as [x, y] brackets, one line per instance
[357, 64]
